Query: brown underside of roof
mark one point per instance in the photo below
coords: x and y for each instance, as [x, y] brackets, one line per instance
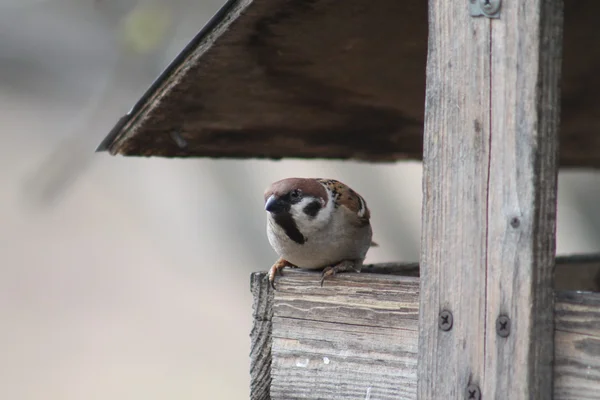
[328, 79]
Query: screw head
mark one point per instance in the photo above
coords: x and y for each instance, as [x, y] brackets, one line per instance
[489, 7]
[445, 320]
[503, 326]
[473, 392]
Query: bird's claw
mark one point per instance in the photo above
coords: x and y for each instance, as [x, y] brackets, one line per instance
[277, 268]
[347, 265]
[328, 271]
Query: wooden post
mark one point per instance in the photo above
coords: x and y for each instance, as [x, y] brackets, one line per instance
[260, 348]
[489, 205]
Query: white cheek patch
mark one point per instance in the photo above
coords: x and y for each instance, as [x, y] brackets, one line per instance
[304, 222]
[297, 210]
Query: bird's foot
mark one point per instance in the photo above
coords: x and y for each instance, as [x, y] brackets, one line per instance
[343, 266]
[277, 269]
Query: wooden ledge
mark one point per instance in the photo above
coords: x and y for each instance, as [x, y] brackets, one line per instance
[358, 337]
[270, 78]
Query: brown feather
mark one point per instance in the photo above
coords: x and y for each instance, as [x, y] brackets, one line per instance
[308, 186]
[348, 198]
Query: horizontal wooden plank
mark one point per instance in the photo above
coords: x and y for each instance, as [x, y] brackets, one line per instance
[577, 346]
[322, 349]
[320, 79]
[354, 338]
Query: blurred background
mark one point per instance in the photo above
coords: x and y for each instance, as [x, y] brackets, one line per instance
[128, 278]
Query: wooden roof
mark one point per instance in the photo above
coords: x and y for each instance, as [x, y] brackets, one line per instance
[324, 79]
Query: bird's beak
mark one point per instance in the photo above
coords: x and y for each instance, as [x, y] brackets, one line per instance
[274, 205]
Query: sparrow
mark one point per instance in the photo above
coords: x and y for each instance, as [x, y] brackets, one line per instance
[315, 223]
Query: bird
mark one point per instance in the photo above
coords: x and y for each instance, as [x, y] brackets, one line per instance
[319, 224]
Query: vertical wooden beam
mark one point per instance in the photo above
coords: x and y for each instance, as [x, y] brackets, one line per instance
[489, 205]
[526, 58]
[455, 180]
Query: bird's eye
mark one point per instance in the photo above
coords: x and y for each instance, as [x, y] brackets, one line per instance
[295, 194]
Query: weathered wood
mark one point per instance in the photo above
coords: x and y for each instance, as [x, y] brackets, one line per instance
[489, 206]
[356, 338]
[261, 338]
[292, 78]
[322, 79]
[455, 188]
[577, 346]
[526, 60]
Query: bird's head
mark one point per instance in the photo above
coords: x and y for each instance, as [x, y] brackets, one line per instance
[300, 198]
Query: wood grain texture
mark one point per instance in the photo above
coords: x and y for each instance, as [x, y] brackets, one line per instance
[455, 188]
[356, 338]
[320, 80]
[293, 78]
[526, 55]
[577, 346]
[261, 338]
[489, 207]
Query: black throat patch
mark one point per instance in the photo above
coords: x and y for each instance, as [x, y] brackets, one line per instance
[285, 221]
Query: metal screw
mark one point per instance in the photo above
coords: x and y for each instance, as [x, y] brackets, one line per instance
[503, 326]
[473, 393]
[445, 320]
[489, 7]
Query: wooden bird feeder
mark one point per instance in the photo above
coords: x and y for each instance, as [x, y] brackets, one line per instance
[482, 91]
